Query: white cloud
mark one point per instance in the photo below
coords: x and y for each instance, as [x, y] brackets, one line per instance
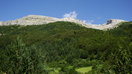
[72, 14]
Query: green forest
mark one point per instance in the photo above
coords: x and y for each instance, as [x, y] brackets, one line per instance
[65, 48]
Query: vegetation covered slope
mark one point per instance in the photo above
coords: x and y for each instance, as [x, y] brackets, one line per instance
[65, 48]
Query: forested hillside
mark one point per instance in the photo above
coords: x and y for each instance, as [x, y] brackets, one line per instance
[65, 48]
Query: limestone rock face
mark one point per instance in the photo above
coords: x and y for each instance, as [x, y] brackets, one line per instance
[110, 24]
[37, 20]
[31, 20]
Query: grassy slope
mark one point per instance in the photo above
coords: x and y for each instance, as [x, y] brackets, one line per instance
[67, 44]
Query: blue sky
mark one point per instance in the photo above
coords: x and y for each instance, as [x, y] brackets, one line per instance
[97, 11]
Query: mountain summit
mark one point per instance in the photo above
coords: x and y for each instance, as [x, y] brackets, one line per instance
[38, 19]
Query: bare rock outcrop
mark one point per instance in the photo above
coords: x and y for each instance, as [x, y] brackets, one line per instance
[37, 20]
[31, 20]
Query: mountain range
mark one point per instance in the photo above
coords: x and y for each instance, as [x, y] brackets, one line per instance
[38, 19]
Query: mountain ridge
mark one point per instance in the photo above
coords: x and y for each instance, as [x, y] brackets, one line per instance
[38, 20]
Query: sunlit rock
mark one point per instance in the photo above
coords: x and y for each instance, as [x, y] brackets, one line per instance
[38, 19]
